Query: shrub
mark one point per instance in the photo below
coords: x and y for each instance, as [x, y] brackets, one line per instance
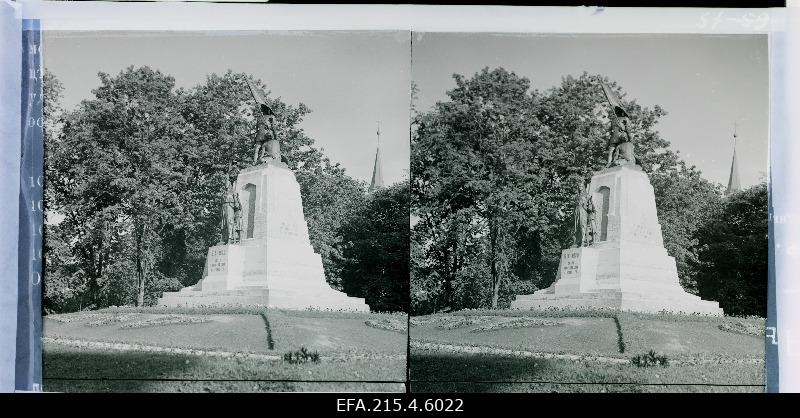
[157, 284]
[650, 359]
[301, 356]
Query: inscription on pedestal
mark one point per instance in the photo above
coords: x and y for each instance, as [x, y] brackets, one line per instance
[570, 263]
[217, 260]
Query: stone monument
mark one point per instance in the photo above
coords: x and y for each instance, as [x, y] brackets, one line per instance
[624, 264]
[270, 261]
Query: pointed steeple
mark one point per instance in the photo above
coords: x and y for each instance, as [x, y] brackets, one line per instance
[733, 180]
[377, 171]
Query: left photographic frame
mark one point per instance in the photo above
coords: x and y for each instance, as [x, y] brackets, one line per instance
[226, 211]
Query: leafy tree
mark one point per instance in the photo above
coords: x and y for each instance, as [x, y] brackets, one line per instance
[112, 182]
[425, 291]
[470, 180]
[732, 260]
[52, 110]
[330, 200]
[64, 284]
[374, 247]
[685, 202]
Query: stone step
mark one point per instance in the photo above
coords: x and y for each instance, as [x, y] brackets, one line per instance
[212, 300]
[331, 300]
[626, 301]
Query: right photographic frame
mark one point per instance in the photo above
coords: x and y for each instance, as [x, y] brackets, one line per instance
[589, 212]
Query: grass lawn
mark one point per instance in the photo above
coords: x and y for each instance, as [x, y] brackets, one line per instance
[320, 331]
[471, 351]
[586, 336]
[222, 332]
[690, 337]
[354, 356]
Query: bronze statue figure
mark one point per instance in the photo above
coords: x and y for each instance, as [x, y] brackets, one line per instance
[623, 154]
[591, 225]
[620, 144]
[579, 227]
[584, 228]
[267, 144]
[231, 215]
[237, 218]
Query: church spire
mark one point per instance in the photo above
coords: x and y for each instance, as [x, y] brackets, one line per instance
[377, 171]
[733, 180]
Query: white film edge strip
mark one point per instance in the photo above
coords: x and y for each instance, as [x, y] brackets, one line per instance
[777, 23]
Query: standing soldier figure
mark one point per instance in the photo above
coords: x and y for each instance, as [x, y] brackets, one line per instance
[585, 228]
[591, 226]
[231, 215]
[237, 218]
[579, 229]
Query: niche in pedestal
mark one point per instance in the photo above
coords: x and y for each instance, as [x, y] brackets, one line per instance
[250, 193]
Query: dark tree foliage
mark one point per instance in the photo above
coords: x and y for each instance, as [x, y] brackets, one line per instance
[495, 168]
[374, 247]
[137, 173]
[733, 253]
[685, 202]
[330, 200]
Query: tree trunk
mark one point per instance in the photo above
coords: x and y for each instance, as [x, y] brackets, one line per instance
[493, 262]
[139, 232]
[452, 270]
[447, 291]
[538, 258]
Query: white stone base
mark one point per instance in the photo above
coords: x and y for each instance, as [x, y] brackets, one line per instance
[634, 277]
[274, 265]
[192, 298]
[687, 304]
[235, 274]
[628, 268]
[332, 299]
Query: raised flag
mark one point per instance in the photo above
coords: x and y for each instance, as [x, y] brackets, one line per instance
[258, 95]
[614, 101]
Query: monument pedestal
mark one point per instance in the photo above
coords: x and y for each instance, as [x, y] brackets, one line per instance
[627, 267]
[274, 264]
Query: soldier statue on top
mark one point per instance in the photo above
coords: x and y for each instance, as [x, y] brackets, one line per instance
[268, 146]
[620, 142]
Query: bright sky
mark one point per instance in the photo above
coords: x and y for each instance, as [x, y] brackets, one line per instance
[350, 80]
[705, 83]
